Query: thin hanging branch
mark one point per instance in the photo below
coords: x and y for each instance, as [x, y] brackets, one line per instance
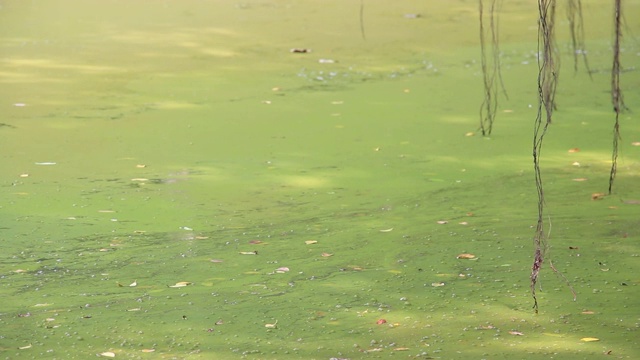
[362, 19]
[490, 103]
[547, 67]
[576, 28]
[616, 93]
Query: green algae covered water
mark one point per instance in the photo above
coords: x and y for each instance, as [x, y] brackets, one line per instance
[178, 184]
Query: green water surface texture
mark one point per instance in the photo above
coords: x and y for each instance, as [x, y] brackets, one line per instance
[174, 179]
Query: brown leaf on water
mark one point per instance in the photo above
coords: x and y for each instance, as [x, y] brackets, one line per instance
[466, 256]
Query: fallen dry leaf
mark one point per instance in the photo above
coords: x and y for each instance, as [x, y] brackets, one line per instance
[466, 256]
[181, 284]
[636, 143]
[588, 312]
[574, 150]
[518, 333]
[282, 270]
[381, 321]
[597, 196]
[589, 339]
[25, 347]
[437, 284]
[272, 326]
[387, 230]
[310, 242]
[442, 222]
[148, 350]
[134, 283]
[255, 242]
[109, 354]
[580, 179]
[324, 254]
[401, 349]
[249, 252]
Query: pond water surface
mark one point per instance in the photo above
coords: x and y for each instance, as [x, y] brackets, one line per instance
[177, 184]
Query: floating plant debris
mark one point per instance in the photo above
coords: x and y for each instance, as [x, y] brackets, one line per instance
[272, 326]
[589, 339]
[180, 284]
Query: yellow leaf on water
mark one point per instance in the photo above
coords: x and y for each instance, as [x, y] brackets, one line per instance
[248, 253]
[589, 339]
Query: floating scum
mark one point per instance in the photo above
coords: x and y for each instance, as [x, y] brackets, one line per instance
[196, 190]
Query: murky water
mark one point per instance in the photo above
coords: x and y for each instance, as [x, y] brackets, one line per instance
[176, 180]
